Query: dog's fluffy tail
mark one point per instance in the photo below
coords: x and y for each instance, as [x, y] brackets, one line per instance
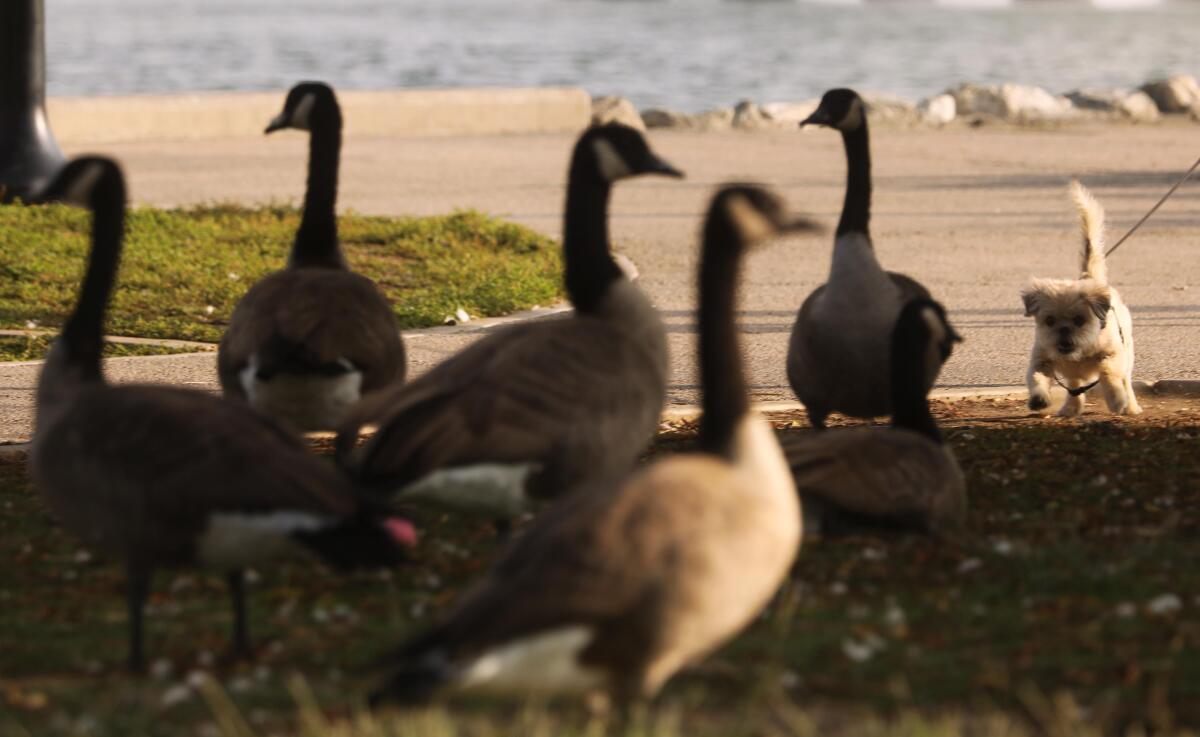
[1091, 217]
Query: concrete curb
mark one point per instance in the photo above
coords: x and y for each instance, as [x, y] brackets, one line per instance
[82, 121]
[1161, 388]
[121, 339]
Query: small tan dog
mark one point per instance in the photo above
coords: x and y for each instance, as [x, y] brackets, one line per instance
[1084, 333]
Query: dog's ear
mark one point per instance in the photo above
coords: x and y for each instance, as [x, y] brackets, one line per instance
[1030, 297]
[1100, 301]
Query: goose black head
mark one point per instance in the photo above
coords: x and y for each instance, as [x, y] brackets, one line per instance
[756, 214]
[620, 152]
[306, 103]
[78, 182]
[840, 108]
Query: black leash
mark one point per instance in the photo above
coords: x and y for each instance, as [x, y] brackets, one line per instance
[1077, 390]
[1146, 217]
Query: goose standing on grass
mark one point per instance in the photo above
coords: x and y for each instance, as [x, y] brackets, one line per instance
[164, 477]
[620, 586]
[901, 478]
[532, 409]
[306, 342]
[838, 353]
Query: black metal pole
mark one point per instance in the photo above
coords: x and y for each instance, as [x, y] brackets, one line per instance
[29, 155]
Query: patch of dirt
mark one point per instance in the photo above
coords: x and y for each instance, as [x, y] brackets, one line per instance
[953, 414]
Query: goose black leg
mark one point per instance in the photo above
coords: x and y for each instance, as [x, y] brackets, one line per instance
[138, 590]
[237, 591]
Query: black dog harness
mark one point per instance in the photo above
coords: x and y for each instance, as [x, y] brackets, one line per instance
[1088, 387]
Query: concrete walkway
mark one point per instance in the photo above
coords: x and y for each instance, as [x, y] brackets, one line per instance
[971, 213]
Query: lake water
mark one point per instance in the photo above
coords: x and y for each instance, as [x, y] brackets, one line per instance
[687, 54]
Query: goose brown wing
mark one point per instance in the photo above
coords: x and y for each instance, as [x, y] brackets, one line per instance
[169, 458]
[516, 395]
[308, 320]
[600, 559]
[876, 472]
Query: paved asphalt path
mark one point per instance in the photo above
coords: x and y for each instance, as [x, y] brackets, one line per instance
[972, 213]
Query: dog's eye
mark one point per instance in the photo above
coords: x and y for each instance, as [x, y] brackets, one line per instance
[1079, 321]
[1049, 322]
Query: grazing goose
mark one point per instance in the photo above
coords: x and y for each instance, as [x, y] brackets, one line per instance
[306, 342]
[531, 409]
[618, 587]
[164, 477]
[838, 352]
[899, 478]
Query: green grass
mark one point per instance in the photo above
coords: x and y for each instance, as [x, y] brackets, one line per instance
[35, 347]
[184, 270]
[1079, 534]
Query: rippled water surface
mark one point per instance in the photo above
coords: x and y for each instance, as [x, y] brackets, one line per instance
[688, 54]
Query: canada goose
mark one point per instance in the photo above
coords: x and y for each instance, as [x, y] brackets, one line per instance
[531, 409]
[838, 352]
[888, 478]
[306, 342]
[617, 588]
[164, 477]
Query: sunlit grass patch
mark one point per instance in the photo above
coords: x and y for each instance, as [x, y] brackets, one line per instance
[184, 269]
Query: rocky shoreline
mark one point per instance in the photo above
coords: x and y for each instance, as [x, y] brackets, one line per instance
[967, 104]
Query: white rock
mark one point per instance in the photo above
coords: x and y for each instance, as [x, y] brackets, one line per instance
[713, 120]
[890, 109]
[1140, 108]
[240, 684]
[1174, 95]
[749, 116]
[611, 109]
[970, 564]
[196, 679]
[1012, 102]
[710, 120]
[859, 652]
[659, 118]
[938, 110]
[175, 695]
[862, 650]
[1133, 105]
[1164, 604]
[161, 668]
[789, 114]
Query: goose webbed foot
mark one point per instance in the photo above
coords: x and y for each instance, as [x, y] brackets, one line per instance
[138, 591]
[240, 648]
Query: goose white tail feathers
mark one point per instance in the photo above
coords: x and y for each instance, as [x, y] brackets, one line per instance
[1091, 219]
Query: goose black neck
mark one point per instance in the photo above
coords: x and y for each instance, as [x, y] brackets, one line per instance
[84, 330]
[590, 268]
[856, 209]
[722, 376]
[910, 406]
[317, 239]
